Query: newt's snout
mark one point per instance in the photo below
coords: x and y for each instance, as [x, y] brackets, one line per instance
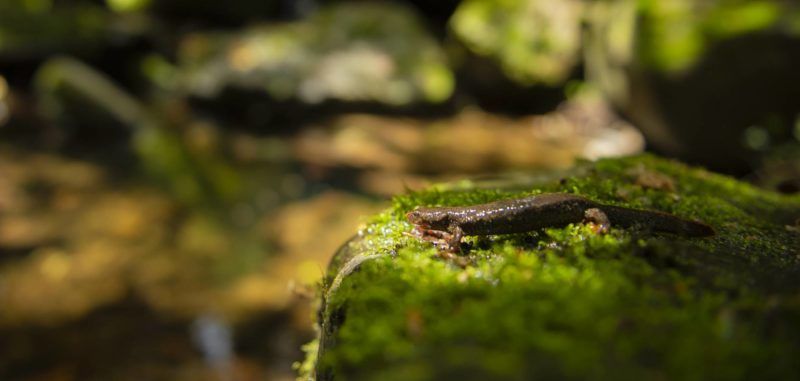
[414, 217]
[417, 218]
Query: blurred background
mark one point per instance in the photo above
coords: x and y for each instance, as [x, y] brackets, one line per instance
[175, 174]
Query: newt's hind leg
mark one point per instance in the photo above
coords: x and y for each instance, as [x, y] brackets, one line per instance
[598, 219]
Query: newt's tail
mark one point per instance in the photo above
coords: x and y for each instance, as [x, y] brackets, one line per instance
[657, 221]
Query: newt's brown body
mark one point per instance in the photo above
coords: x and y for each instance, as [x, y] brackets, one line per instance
[449, 224]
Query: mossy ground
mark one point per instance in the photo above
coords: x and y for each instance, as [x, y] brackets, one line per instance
[567, 303]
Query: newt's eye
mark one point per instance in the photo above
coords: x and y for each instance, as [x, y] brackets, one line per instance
[413, 217]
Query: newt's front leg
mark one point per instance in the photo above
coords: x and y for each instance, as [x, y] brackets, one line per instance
[430, 235]
[454, 241]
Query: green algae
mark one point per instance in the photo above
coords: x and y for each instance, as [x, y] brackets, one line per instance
[568, 303]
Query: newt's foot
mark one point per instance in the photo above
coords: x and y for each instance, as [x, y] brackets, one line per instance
[447, 249]
[597, 219]
[444, 241]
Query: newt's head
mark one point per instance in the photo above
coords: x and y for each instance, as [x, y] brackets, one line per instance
[429, 218]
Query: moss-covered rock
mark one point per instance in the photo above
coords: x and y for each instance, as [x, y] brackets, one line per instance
[567, 303]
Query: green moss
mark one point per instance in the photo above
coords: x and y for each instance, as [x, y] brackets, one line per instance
[569, 303]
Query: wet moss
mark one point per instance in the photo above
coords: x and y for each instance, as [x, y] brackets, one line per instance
[568, 303]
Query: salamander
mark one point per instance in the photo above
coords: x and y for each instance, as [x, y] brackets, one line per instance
[446, 226]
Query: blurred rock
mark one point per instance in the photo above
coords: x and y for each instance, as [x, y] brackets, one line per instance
[709, 82]
[780, 169]
[307, 233]
[71, 243]
[36, 192]
[469, 143]
[387, 183]
[5, 101]
[67, 240]
[375, 52]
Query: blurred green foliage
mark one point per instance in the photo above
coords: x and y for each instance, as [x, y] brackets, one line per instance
[540, 41]
[128, 5]
[675, 34]
[352, 52]
[197, 178]
[69, 90]
[536, 41]
[72, 27]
